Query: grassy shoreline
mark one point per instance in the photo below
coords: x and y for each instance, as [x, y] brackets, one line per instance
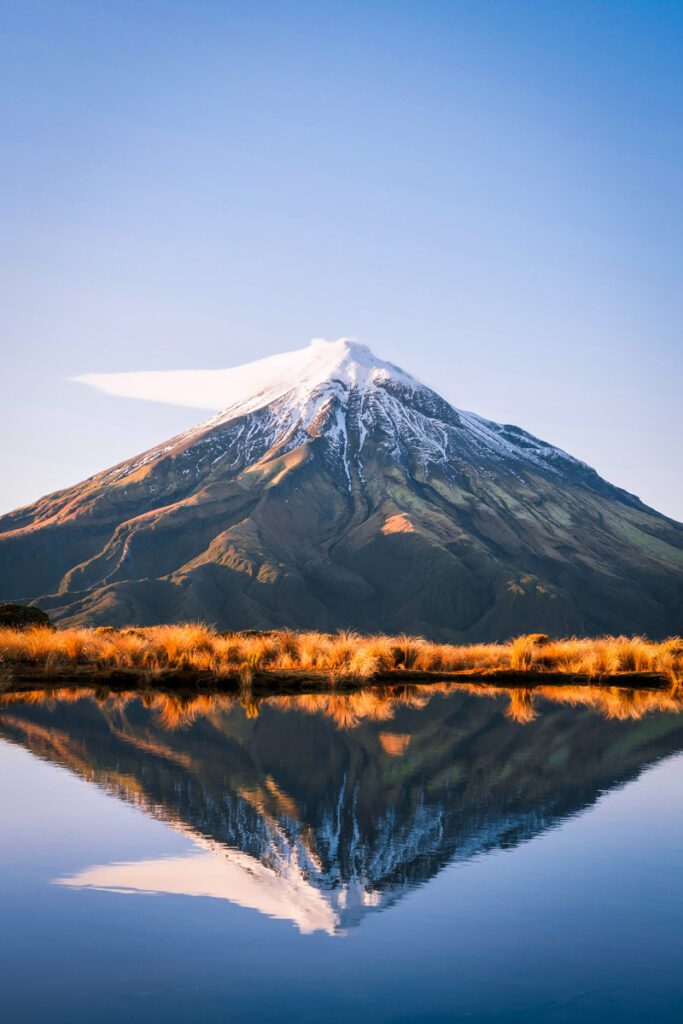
[298, 681]
[284, 661]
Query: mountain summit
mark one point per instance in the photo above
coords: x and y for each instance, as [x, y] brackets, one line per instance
[333, 489]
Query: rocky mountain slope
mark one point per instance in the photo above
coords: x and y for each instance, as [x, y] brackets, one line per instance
[334, 490]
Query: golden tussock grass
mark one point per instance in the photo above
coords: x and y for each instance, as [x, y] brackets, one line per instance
[195, 648]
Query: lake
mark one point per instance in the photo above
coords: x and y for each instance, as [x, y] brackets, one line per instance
[408, 855]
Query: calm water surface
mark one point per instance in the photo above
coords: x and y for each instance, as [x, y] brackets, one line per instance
[418, 860]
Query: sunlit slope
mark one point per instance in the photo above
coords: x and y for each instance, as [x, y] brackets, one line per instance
[351, 496]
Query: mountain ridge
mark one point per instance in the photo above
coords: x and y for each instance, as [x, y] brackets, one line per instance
[336, 490]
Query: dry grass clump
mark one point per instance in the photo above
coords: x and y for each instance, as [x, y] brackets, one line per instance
[611, 655]
[193, 647]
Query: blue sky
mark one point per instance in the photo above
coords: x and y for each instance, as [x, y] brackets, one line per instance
[487, 193]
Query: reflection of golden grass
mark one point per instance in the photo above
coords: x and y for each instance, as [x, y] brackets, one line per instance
[348, 710]
[196, 648]
[521, 707]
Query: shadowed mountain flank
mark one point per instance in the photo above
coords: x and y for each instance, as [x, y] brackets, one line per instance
[335, 490]
[305, 819]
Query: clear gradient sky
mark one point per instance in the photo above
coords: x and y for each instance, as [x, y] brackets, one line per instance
[488, 193]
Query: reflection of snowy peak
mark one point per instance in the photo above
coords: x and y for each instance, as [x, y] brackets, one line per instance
[289, 881]
[332, 489]
[306, 823]
[219, 873]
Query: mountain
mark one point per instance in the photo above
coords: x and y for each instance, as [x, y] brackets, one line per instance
[301, 819]
[335, 490]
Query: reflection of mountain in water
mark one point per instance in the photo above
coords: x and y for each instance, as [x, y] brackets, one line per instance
[307, 821]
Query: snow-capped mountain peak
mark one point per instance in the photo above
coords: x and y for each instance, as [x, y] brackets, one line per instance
[330, 488]
[340, 391]
[343, 364]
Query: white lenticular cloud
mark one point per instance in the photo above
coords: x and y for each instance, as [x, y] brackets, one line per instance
[199, 389]
[249, 386]
[217, 389]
